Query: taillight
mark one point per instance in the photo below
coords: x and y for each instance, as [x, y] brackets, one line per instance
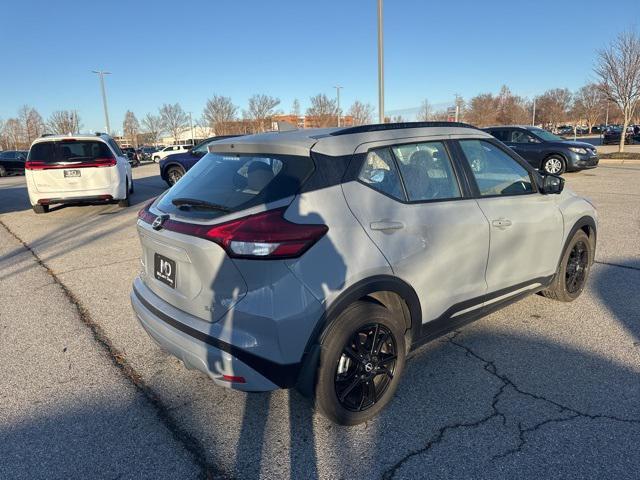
[145, 215]
[266, 235]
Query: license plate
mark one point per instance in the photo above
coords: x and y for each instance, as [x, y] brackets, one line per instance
[72, 173]
[165, 270]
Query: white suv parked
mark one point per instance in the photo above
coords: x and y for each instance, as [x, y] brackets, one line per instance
[77, 169]
[170, 150]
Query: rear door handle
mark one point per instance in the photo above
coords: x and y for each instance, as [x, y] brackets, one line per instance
[501, 223]
[386, 225]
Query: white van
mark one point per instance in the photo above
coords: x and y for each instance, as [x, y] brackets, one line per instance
[77, 169]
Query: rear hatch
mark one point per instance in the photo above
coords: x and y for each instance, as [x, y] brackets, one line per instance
[225, 207]
[70, 165]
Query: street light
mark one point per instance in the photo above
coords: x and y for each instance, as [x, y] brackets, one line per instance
[191, 125]
[101, 74]
[338, 87]
[380, 66]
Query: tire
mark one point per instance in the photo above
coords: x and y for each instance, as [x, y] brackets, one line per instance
[3, 171]
[352, 388]
[573, 271]
[41, 209]
[131, 190]
[124, 203]
[554, 164]
[156, 159]
[173, 174]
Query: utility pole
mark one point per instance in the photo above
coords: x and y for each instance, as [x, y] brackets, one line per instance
[533, 115]
[338, 87]
[380, 66]
[101, 74]
[191, 125]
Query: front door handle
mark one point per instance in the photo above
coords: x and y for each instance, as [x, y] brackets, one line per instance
[386, 225]
[501, 223]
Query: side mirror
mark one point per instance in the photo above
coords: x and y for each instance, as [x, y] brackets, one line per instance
[552, 184]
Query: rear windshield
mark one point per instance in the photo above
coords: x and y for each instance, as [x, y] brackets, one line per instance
[69, 151]
[235, 182]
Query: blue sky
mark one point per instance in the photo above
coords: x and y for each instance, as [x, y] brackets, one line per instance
[170, 51]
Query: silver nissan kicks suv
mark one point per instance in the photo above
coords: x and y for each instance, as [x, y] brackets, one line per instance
[320, 258]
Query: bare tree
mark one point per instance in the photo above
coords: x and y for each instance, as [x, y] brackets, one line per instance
[12, 133]
[589, 104]
[618, 67]
[552, 107]
[510, 109]
[32, 124]
[63, 122]
[323, 111]
[425, 111]
[295, 108]
[361, 113]
[260, 111]
[153, 127]
[174, 120]
[482, 110]
[220, 113]
[131, 127]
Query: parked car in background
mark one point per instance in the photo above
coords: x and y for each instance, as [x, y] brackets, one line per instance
[174, 166]
[612, 135]
[170, 150]
[12, 162]
[544, 150]
[147, 152]
[132, 156]
[62, 169]
[319, 258]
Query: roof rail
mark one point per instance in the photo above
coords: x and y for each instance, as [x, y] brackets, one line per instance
[395, 126]
[47, 135]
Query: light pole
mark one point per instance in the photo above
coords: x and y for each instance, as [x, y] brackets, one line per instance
[191, 125]
[380, 66]
[533, 115]
[101, 74]
[338, 87]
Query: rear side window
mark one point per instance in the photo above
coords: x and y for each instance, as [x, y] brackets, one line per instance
[222, 183]
[502, 135]
[495, 172]
[69, 151]
[380, 173]
[427, 172]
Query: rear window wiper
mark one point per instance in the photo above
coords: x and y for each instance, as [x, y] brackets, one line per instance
[195, 203]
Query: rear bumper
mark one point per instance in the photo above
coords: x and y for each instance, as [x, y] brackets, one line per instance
[82, 199]
[176, 333]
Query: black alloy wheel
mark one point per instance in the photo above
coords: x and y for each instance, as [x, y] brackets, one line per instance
[577, 267]
[366, 367]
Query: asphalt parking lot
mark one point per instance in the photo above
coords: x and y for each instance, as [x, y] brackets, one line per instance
[539, 389]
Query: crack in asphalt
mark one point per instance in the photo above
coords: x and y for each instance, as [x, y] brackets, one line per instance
[490, 367]
[119, 360]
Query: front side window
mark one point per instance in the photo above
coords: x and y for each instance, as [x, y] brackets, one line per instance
[495, 172]
[380, 173]
[520, 136]
[427, 172]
